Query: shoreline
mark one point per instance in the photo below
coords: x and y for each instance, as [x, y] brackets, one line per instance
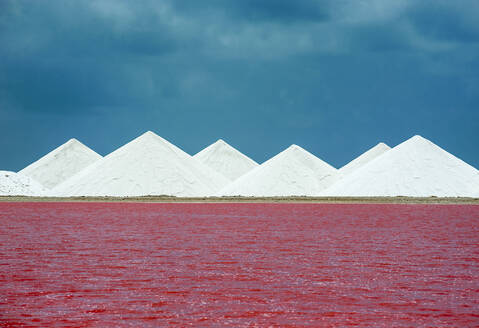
[306, 200]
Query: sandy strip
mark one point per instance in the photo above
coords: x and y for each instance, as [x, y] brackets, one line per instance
[319, 200]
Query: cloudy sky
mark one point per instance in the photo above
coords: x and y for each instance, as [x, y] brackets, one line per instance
[333, 76]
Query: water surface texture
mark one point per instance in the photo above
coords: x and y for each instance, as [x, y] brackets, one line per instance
[239, 265]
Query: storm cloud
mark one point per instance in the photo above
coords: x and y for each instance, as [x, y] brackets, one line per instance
[335, 77]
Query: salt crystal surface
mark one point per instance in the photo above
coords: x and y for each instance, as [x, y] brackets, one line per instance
[148, 165]
[415, 168]
[226, 160]
[364, 158]
[17, 184]
[61, 163]
[293, 172]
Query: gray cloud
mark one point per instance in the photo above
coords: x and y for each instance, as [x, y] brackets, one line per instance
[447, 21]
[281, 11]
[324, 74]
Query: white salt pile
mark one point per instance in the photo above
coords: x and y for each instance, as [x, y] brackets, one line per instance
[148, 165]
[365, 158]
[226, 160]
[293, 172]
[415, 168]
[16, 184]
[61, 163]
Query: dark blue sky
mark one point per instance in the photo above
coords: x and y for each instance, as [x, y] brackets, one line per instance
[335, 77]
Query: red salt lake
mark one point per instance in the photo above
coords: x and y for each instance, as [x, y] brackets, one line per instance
[217, 265]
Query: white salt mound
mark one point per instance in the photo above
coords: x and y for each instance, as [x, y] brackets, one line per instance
[364, 158]
[293, 172]
[226, 160]
[415, 168]
[148, 165]
[61, 163]
[17, 184]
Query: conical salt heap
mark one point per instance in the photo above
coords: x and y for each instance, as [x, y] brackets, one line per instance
[17, 184]
[415, 168]
[293, 172]
[148, 165]
[226, 160]
[364, 158]
[61, 163]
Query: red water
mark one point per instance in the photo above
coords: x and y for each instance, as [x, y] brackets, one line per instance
[217, 265]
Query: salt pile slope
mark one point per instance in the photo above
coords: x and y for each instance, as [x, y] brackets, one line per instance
[415, 168]
[226, 160]
[61, 163]
[293, 172]
[364, 158]
[148, 165]
[16, 184]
